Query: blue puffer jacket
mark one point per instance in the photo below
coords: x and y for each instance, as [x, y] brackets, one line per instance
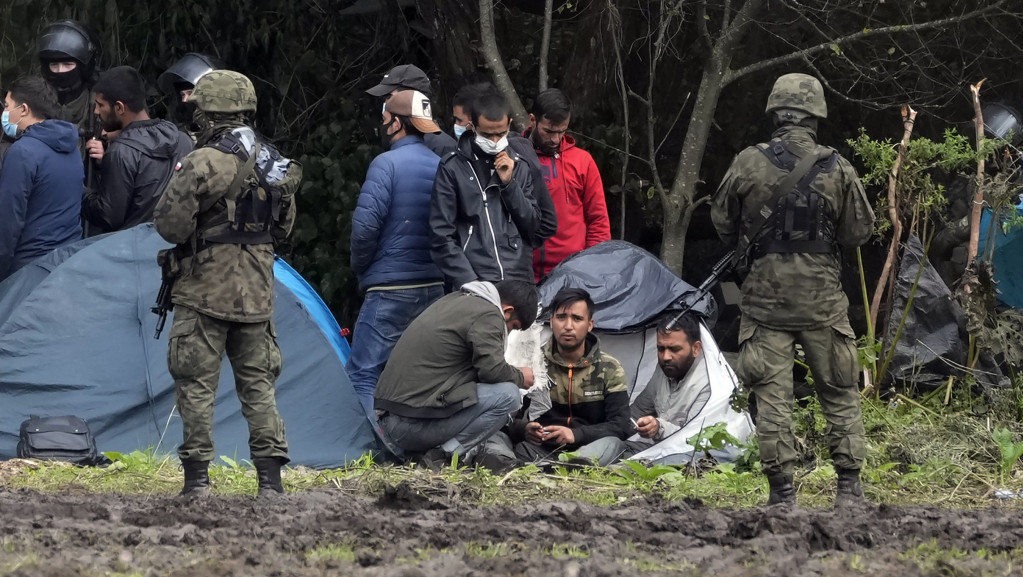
[40, 194]
[391, 224]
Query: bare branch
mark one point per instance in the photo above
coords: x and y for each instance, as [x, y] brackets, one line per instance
[978, 195]
[732, 75]
[492, 55]
[545, 42]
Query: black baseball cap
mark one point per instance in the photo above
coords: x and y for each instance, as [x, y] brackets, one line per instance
[403, 77]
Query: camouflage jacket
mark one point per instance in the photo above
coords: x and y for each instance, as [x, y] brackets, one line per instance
[792, 291]
[231, 282]
[591, 396]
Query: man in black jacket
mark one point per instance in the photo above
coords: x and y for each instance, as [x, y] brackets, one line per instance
[139, 161]
[484, 216]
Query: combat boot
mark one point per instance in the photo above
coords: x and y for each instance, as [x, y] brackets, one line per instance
[782, 491]
[197, 479]
[268, 471]
[850, 490]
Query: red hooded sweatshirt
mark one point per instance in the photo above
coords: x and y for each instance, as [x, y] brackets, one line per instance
[578, 194]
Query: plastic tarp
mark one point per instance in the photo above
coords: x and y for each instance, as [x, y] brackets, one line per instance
[76, 338]
[632, 289]
[933, 331]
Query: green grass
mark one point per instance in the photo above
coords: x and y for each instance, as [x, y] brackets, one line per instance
[333, 551]
[917, 453]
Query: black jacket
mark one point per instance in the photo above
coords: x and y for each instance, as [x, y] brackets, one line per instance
[483, 229]
[441, 143]
[135, 169]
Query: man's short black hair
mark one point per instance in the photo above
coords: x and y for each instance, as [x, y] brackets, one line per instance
[688, 322]
[490, 105]
[553, 105]
[522, 296]
[122, 84]
[467, 95]
[567, 297]
[406, 125]
[38, 94]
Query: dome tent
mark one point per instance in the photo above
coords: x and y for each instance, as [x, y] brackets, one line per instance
[76, 338]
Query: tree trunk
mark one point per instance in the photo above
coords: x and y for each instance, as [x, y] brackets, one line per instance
[492, 55]
[680, 196]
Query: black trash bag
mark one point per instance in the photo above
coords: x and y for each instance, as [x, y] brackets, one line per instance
[629, 286]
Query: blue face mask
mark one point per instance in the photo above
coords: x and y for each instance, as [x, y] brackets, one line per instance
[459, 131]
[10, 129]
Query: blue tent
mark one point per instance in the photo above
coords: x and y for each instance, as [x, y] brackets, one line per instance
[76, 338]
[1008, 258]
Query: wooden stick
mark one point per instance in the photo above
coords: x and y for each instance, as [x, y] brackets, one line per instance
[978, 195]
[908, 118]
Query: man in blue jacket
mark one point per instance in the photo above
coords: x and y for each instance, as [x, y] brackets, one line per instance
[391, 238]
[41, 181]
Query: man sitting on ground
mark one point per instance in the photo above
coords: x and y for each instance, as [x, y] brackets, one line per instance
[676, 393]
[446, 387]
[589, 398]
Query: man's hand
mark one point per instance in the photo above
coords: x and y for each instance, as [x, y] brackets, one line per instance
[94, 147]
[534, 433]
[647, 426]
[527, 377]
[504, 166]
[558, 435]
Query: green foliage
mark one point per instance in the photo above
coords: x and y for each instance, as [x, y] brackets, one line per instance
[333, 551]
[1010, 451]
[714, 437]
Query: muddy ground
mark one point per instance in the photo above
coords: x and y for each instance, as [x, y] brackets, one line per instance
[403, 533]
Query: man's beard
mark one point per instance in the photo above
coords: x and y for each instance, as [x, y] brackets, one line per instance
[111, 125]
[678, 372]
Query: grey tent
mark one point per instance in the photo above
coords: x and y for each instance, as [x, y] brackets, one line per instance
[76, 338]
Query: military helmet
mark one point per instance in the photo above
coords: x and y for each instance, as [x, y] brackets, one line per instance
[1003, 122]
[798, 92]
[224, 91]
[187, 71]
[67, 40]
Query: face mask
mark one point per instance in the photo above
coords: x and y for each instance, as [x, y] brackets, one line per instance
[459, 131]
[385, 138]
[10, 129]
[490, 147]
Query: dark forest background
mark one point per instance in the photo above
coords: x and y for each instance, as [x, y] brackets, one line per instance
[665, 93]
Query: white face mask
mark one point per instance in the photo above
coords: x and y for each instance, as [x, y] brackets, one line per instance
[459, 131]
[489, 146]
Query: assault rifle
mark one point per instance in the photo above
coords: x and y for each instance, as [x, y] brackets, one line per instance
[170, 269]
[690, 300]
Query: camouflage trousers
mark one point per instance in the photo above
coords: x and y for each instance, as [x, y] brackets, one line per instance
[765, 365]
[194, 357]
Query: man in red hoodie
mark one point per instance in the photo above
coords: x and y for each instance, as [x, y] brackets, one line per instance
[573, 180]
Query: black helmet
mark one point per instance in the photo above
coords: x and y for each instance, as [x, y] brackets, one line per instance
[1003, 123]
[68, 40]
[188, 70]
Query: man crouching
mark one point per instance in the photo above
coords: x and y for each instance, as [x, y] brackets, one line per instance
[446, 387]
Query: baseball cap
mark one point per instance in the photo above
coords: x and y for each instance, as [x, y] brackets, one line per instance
[416, 106]
[405, 76]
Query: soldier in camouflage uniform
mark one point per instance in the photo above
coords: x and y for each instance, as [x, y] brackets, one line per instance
[225, 206]
[589, 395]
[793, 292]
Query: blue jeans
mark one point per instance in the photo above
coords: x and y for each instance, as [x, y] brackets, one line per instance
[462, 430]
[384, 315]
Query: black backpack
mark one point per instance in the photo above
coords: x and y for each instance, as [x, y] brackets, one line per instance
[59, 439]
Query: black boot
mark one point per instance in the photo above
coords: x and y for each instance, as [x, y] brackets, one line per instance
[782, 491]
[268, 470]
[850, 490]
[197, 479]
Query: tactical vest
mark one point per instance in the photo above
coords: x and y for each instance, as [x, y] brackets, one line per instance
[803, 221]
[251, 207]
